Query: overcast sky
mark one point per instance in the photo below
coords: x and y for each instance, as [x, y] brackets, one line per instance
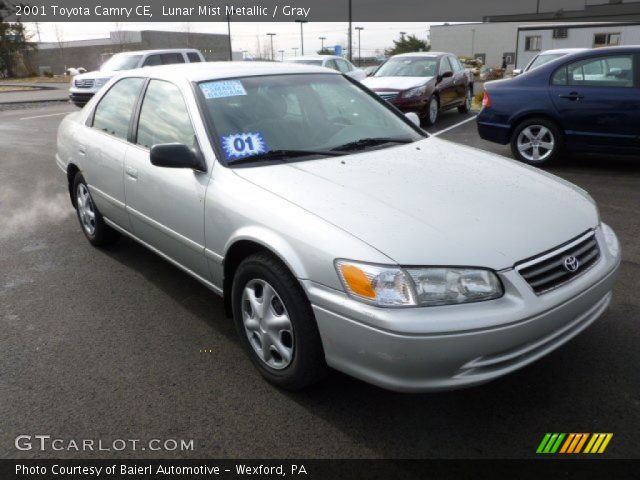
[245, 36]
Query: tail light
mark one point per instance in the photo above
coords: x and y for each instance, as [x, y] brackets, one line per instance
[486, 100]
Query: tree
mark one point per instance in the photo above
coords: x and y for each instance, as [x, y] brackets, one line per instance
[14, 41]
[407, 44]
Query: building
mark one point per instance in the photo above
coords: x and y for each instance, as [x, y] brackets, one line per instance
[90, 54]
[570, 11]
[489, 42]
[533, 39]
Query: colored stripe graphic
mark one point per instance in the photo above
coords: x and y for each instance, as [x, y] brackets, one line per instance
[573, 443]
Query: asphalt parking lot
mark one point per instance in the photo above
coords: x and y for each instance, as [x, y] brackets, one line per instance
[117, 343]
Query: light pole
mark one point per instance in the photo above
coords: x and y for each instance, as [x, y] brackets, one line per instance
[350, 32]
[301, 22]
[359, 29]
[271, 35]
[322, 39]
[295, 51]
[229, 34]
[281, 52]
[473, 42]
[402, 34]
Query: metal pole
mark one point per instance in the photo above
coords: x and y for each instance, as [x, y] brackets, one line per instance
[322, 39]
[301, 22]
[281, 55]
[272, 56]
[229, 35]
[359, 29]
[350, 32]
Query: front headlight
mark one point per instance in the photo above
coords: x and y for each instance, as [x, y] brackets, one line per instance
[613, 245]
[389, 286]
[100, 82]
[415, 92]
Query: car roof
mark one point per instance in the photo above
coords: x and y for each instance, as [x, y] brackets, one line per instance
[164, 50]
[563, 50]
[197, 72]
[422, 54]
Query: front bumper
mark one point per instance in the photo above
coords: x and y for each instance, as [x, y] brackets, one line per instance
[439, 348]
[80, 96]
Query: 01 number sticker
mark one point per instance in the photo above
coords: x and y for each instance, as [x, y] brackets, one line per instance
[242, 145]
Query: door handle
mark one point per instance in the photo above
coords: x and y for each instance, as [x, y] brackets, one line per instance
[573, 96]
[131, 172]
[82, 150]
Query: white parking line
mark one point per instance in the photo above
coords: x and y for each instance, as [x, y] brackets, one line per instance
[43, 116]
[466, 120]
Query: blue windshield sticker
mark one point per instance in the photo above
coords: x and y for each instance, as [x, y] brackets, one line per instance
[242, 145]
[225, 88]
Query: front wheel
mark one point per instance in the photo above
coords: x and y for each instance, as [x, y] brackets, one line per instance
[276, 323]
[432, 111]
[93, 225]
[536, 141]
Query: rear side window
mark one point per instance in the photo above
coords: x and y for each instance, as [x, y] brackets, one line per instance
[193, 57]
[332, 64]
[171, 58]
[343, 66]
[164, 117]
[609, 71]
[152, 61]
[113, 113]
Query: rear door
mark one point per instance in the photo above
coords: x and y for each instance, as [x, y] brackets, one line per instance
[598, 100]
[103, 145]
[460, 79]
[166, 205]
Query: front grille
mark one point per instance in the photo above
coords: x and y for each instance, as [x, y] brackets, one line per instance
[388, 96]
[87, 83]
[552, 269]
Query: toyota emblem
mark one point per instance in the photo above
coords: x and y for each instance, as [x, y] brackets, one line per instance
[571, 264]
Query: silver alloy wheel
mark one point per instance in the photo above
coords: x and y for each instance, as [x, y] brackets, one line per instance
[536, 143]
[86, 210]
[267, 324]
[433, 110]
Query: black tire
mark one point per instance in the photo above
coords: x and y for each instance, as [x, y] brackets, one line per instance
[307, 365]
[429, 119]
[102, 235]
[554, 136]
[466, 106]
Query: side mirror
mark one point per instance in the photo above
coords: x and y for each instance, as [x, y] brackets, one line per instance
[415, 119]
[444, 75]
[176, 155]
[516, 72]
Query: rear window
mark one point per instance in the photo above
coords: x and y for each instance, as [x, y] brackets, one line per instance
[193, 57]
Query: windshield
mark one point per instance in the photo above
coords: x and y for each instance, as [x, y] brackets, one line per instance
[318, 114]
[308, 62]
[121, 62]
[542, 59]
[409, 67]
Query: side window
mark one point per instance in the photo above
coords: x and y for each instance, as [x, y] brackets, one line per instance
[343, 66]
[332, 64]
[113, 113]
[152, 61]
[611, 71]
[164, 117]
[171, 58]
[559, 77]
[455, 64]
[193, 57]
[445, 65]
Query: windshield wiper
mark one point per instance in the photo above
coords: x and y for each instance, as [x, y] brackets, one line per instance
[283, 155]
[370, 142]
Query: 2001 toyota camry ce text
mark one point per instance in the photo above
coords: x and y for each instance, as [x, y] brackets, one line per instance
[337, 231]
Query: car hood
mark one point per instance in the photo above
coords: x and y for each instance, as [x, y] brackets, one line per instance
[394, 83]
[436, 203]
[94, 75]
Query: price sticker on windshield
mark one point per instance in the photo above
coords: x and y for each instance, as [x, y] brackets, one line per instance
[243, 145]
[222, 89]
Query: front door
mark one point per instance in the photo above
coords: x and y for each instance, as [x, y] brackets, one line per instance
[446, 87]
[166, 205]
[598, 101]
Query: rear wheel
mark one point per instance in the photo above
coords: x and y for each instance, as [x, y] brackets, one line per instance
[536, 141]
[276, 323]
[466, 106]
[93, 225]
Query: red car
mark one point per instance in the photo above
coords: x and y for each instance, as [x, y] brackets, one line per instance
[424, 83]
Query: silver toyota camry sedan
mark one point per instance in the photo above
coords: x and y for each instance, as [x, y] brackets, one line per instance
[338, 232]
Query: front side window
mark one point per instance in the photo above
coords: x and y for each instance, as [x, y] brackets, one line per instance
[308, 62]
[455, 63]
[193, 57]
[533, 44]
[409, 67]
[445, 65]
[164, 117]
[343, 65]
[306, 112]
[171, 58]
[113, 113]
[152, 61]
[331, 63]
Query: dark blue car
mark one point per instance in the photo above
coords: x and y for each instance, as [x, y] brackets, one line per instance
[587, 101]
